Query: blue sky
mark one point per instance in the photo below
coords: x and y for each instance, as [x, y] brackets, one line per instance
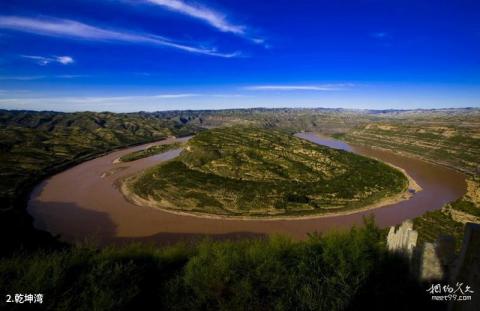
[131, 55]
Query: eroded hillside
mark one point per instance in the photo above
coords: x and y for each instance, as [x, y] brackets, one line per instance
[449, 139]
[248, 171]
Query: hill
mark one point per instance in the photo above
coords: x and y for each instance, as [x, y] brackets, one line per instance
[36, 144]
[244, 171]
[449, 139]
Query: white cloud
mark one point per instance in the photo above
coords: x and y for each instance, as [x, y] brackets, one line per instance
[65, 28]
[213, 18]
[65, 60]
[42, 60]
[207, 15]
[380, 35]
[28, 78]
[13, 91]
[39, 59]
[22, 78]
[176, 95]
[229, 95]
[97, 99]
[70, 76]
[319, 87]
[109, 100]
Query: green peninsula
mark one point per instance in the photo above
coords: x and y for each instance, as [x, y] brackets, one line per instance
[244, 171]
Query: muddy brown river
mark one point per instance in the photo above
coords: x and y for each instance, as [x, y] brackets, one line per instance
[84, 203]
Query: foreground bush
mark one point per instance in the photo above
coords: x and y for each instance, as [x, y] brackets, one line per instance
[349, 270]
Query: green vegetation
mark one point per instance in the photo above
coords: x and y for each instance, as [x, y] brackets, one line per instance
[292, 120]
[451, 219]
[32, 143]
[450, 140]
[338, 271]
[36, 144]
[150, 151]
[433, 224]
[466, 207]
[255, 172]
[449, 137]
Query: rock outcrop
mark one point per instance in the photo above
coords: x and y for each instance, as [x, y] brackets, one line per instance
[403, 239]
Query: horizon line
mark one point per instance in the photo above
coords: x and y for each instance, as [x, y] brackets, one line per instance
[252, 108]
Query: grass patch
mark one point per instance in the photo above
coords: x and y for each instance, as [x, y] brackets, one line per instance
[433, 224]
[336, 271]
[466, 207]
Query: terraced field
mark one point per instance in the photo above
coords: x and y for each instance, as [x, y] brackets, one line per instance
[455, 143]
[448, 137]
[241, 171]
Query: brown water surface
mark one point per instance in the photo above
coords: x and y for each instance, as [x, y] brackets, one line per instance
[84, 202]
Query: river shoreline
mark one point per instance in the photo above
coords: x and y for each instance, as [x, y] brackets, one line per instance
[84, 202]
[406, 194]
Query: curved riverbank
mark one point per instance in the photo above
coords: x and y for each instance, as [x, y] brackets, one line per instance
[411, 189]
[79, 203]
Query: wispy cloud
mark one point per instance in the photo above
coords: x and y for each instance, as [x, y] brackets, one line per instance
[207, 15]
[71, 29]
[28, 78]
[107, 100]
[181, 95]
[229, 95]
[318, 87]
[380, 35]
[42, 60]
[70, 76]
[113, 99]
[22, 78]
[213, 18]
[87, 100]
[14, 91]
[65, 60]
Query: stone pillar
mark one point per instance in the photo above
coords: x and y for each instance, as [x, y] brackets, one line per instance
[403, 239]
